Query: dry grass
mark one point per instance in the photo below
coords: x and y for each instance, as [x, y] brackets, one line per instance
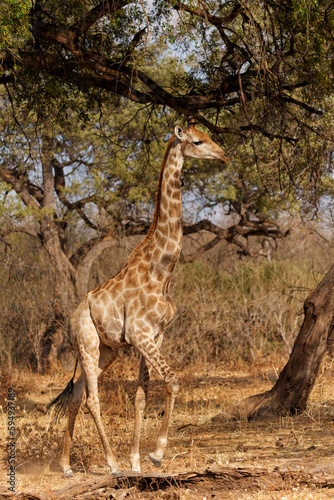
[248, 314]
[200, 435]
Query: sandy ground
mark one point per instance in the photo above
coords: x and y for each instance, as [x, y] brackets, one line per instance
[201, 436]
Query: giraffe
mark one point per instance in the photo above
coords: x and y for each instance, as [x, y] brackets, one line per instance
[134, 308]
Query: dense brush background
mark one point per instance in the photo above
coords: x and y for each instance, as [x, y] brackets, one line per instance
[228, 308]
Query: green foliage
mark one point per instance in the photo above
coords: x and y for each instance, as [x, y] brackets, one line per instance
[14, 25]
[282, 52]
[302, 9]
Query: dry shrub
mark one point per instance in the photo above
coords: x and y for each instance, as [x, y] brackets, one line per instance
[25, 301]
[227, 308]
[245, 314]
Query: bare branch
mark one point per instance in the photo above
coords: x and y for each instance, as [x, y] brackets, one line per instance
[8, 246]
[204, 14]
[301, 104]
[231, 236]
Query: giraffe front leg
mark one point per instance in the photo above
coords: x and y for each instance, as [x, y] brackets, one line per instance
[150, 351]
[172, 390]
[140, 404]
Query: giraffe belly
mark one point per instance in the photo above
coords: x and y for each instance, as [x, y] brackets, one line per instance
[112, 334]
[109, 323]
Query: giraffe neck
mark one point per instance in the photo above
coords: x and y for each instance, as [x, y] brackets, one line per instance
[166, 230]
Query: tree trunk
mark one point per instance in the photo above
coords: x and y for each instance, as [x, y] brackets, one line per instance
[64, 273]
[83, 269]
[295, 382]
[64, 297]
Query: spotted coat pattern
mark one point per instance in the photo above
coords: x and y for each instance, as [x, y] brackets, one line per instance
[135, 307]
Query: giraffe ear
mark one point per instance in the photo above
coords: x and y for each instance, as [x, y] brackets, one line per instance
[179, 132]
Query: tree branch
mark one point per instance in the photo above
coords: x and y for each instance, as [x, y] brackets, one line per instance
[7, 245]
[59, 188]
[21, 187]
[230, 235]
[104, 8]
[84, 267]
[204, 14]
[301, 104]
[87, 68]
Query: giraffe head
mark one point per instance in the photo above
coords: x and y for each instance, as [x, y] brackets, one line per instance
[197, 144]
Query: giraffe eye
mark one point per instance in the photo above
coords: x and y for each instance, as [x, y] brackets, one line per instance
[197, 143]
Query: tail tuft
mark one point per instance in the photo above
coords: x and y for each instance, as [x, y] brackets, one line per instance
[61, 401]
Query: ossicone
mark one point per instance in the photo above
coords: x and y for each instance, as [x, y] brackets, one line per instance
[191, 121]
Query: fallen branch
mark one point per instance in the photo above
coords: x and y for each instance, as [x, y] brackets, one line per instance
[212, 479]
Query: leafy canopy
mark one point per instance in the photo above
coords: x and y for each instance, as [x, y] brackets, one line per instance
[258, 76]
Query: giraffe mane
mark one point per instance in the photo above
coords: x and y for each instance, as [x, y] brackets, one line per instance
[158, 195]
[157, 204]
[148, 236]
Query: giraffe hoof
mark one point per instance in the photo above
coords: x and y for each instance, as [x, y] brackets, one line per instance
[114, 471]
[136, 469]
[68, 473]
[155, 461]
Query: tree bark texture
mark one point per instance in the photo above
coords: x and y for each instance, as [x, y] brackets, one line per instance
[64, 291]
[295, 382]
[83, 269]
[64, 272]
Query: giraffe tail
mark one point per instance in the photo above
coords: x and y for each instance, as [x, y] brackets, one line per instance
[61, 401]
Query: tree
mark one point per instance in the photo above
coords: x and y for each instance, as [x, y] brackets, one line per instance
[246, 77]
[290, 393]
[259, 78]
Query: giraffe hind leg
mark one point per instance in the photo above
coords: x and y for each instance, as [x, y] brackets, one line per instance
[74, 404]
[93, 365]
[107, 356]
